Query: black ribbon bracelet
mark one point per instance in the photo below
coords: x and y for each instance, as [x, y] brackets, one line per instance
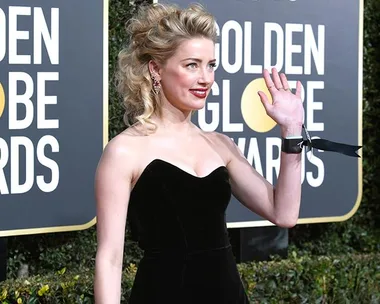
[327, 145]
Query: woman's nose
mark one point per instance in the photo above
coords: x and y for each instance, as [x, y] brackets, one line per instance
[206, 76]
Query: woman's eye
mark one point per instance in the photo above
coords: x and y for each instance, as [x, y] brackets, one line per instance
[192, 65]
[212, 65]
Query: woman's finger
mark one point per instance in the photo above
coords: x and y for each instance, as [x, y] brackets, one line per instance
[276, 79]
[268, 81]
[298, 89]
[284, 82]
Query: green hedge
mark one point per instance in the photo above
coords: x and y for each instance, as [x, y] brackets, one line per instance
[305, 279]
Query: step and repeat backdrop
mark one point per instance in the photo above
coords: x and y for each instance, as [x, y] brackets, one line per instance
[54, 97]
[316, 42]
[53, 105]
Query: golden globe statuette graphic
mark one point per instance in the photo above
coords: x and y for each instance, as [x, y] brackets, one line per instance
[2, 100]
[252, 109]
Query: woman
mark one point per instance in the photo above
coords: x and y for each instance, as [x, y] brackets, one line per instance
[175, 180]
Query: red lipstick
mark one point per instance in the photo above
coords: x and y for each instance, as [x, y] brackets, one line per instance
[200, 93]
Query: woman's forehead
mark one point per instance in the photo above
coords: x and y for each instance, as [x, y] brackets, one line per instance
[196, 48]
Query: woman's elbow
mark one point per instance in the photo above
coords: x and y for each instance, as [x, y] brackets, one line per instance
[110, 257]
[286, 222]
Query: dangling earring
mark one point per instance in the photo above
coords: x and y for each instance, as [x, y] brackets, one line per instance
[156, 85]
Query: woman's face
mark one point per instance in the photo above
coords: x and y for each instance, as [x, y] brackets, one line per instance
[187, 76]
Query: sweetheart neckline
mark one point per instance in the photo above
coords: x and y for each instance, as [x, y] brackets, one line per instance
[178, 169]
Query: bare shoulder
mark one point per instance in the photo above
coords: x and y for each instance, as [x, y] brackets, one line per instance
[128, 142]
[121, 146]
[219, 139]
[224, 145]
[121, 152]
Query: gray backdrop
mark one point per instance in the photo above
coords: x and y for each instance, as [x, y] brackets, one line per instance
[79, 109]
[339, 194]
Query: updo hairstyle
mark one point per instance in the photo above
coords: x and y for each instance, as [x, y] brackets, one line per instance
[155, 32]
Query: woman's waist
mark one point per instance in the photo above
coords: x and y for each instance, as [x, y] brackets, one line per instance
[180, 241]
[185, 251]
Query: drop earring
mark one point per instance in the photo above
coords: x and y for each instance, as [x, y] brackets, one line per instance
[156, 85]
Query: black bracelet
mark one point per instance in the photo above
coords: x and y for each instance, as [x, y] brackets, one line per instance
[292, 144]
[295, 144]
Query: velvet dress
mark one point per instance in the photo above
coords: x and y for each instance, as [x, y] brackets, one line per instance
[179, 222]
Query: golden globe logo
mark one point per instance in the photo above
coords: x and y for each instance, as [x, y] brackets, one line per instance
[239, 62]
[2, 100]
[252, 109]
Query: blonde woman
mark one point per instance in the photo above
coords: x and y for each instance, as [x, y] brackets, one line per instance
[174, 180]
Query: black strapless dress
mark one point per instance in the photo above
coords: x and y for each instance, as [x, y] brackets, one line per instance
[179, 221]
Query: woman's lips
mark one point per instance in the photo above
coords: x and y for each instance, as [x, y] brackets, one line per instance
[200, 93]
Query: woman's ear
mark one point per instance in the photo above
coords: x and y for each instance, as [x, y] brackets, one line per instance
[154, 70]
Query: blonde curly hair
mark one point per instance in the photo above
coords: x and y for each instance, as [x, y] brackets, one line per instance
[155, 33]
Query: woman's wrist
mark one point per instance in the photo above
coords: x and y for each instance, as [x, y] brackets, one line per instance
[291, 130]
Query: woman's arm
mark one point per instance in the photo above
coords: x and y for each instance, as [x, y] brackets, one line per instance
[112, 189]
[281, 204]
[278, 205]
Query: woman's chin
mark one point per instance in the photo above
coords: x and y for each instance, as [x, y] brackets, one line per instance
[195, 106]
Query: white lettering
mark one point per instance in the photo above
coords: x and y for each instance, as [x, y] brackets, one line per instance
[271, 162]
[43, 100]
[214, 108]
[3, 35]
[4, 156]
[232, 25]
[16, 143]
[15, 34]
[312, 48]
[15, 99]
[248, 66]
[313, 105]
[268, 29]
[291, 48]
[320, 175]
[47, 162]
[41, 32]
[227, 125]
